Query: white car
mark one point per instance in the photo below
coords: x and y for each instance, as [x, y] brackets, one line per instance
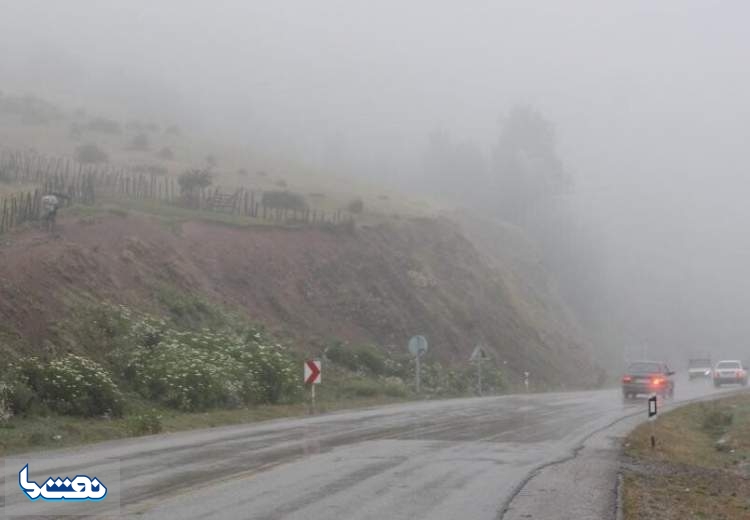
[699, 368]
[730, 372]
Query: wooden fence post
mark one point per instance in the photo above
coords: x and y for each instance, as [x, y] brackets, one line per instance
[13, 210]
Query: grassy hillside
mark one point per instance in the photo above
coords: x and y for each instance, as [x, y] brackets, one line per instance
[403, 272]
[33, 123]
[146, 313]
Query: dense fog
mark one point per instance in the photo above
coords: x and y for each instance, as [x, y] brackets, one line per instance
[637, 111]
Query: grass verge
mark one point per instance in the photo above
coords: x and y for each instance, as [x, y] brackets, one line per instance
[700, 468]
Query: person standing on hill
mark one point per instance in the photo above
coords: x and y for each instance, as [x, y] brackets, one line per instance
[50, 204]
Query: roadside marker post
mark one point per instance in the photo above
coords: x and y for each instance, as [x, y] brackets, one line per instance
[312, 377]
[652, 411]
[419, 355]
[476, 357]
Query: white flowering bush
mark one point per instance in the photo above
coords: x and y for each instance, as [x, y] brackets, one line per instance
[146, 331]
[71, 385]
[196, 370]
[274, 373]
[183, 375]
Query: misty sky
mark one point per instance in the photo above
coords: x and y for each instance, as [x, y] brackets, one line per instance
[649, 99]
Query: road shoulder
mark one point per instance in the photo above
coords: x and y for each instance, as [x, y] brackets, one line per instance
[594, 481]
[582, 486]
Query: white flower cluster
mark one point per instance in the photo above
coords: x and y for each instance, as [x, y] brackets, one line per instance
[72, 384]
[195, 370]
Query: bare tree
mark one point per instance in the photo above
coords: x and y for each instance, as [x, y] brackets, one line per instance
[191, 182]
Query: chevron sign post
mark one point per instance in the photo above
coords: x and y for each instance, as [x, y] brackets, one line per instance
[312, 377]
[312, 372]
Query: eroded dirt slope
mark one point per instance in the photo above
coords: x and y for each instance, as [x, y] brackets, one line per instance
[379, 284]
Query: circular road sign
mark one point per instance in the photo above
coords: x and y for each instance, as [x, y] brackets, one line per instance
[417, 345]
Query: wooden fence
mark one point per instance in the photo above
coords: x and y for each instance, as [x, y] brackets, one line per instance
[83, 184]
[19, 208]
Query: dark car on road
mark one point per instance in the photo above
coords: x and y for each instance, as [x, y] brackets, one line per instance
[730, 372]
[647, 377]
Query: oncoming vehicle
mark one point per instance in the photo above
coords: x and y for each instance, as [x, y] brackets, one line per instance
[647, 377]
[699, 368]
[730, 372]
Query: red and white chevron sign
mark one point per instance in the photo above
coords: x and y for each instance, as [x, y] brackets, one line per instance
[312, 371]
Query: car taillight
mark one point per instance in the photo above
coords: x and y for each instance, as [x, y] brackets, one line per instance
[627, 379]
[657, 381]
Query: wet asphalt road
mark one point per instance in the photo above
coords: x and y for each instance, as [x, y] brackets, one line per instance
[453, 459]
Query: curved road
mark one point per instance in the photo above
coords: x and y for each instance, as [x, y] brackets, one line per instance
[452, 459]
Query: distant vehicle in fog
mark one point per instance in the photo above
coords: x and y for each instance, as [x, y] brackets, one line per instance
[730, 372]
[647, 377]
[700, 368]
